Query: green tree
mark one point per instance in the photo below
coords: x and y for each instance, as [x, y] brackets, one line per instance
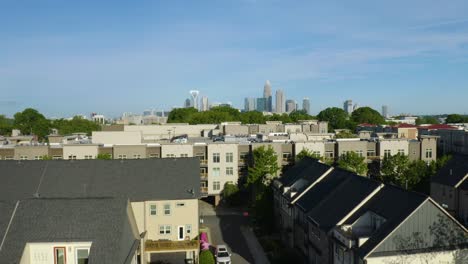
[336, 117]
[426, 120]
[76, 125]
[181, 115]
[352, 162]
[455, 118]
[104, 156]
[345, 134]
[252, 117]
[367, 115]
[31, 122]
[230, 194]
[395, 170]
[265, 167]
[6, 125]
[206, 257]
[297, 115]
[306, 153]
[285, 118]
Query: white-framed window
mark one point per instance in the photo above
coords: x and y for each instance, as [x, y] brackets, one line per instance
[88, 157]
[153, 210]
[154, 156]
[57, 157]
[23, 157]
[216, 186]
[401, 151]
[216, 158]
[164, 229]
[8, 158]
[82, 255]
[167, 209]
[387, 153]
[229, 171]
[359, 152]
[188, 229]
[216, 172]
[122, 156]
[38, 158]
[180, 204]
[229, 157]
[137, 156]
[316, 153]
[428, 153]
[59, 255]
[183, 155]
[72, 157]
[170, 155]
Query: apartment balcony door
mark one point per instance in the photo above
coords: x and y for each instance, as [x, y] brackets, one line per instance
[180, 232]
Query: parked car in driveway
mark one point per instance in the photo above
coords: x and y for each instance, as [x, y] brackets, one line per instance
[222, 255]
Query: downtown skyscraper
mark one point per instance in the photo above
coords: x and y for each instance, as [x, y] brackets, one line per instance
[279, 101]
[306, 105]
[267, 96]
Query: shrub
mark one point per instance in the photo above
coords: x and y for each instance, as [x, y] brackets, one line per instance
[206, 257]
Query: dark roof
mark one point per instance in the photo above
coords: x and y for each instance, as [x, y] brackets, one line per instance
[308, 168]
[341, 201]
[102, 221]
[6, 209]
[322, 189]
[137, 180]
[392, 203]
[453, 172]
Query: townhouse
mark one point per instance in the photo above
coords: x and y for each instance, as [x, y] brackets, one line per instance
[333, 216]
[162, 197]
[449, 187]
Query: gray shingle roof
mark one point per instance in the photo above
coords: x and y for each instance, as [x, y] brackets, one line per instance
[453, 172]
[102, 221]
[137, 180]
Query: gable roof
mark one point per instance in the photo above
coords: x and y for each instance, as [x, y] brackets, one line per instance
[137, 180]
[342, 200]
[322, 189]
[103, 221]
[454, 173]
[392, 203]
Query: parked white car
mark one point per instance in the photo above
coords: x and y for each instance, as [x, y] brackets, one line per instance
[222, 255]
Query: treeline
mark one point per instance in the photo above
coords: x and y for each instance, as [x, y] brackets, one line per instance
[220, 114]
[31, 122]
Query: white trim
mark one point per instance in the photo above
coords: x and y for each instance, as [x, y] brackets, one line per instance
[461, 181]
[178, 232]
[361, 204]
[312, 185]
[76, 252]
[401, 223]
[9, 224]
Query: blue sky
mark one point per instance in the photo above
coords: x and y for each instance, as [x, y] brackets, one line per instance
[72, 57]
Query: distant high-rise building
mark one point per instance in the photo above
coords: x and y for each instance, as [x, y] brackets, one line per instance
[356, 106]
[249, 104]
[348, 106]
[261, 105]
[188, 103]
[194, 94]
[204, 103]
[290, 105]
[306, 105]
[279, 101]
[267, 96]
[385, 111]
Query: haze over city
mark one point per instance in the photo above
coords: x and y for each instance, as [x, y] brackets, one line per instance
[66, 58]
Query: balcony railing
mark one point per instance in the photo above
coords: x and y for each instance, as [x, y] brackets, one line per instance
[203, 175]
[163, 245]
[204, 190]
[203, 161]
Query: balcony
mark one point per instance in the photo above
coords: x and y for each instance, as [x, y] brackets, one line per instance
[203, 175]
[203, 161]
[204, 190]
[167, 245]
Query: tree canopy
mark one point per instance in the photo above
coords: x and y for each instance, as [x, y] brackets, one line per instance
[352, 162]
[345, 134]
[336, 117]
[265, 166]
[367, 115]
[75, 125]
[6, 125]
[426, 120]
[456, 118]
[31, 122]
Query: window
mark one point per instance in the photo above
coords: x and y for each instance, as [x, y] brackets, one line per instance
[180, 204]
[339, 252]
[56, 157]
[316, 153]
[401, 151]
[88, 157]
[370, 153]
[72, 157]
[167, 209]
[60, 255]
[23, 157]
[243, 156]
[387, 153]
[183, 155]
[229, 157]
[122, 157]
[82, 255]
[137, 156]
[152, 209]
[216, 158]
[154, 156]
[188, 229]
[359, 152]
[8, 158]
[428, 153]
[229, 171]
[38, 158]
[164, 229]
[286, 156]
[170, 155]
[216, 186]
[329, 154]
[216, 172]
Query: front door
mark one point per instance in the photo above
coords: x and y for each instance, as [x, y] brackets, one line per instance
[181, 232]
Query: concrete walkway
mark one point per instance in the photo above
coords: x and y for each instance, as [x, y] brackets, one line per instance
[254, 246]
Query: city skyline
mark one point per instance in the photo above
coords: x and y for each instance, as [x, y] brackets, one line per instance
[125, 57]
